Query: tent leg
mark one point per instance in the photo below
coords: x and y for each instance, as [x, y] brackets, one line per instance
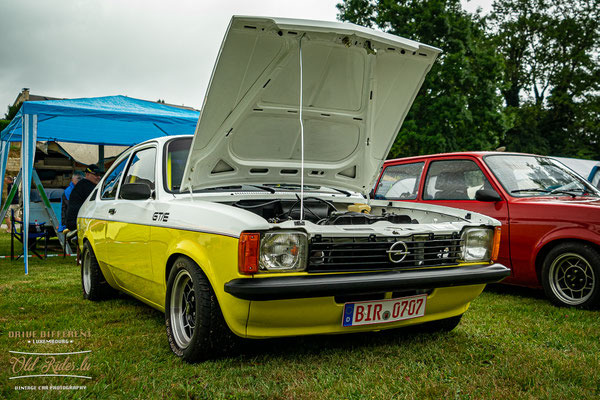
[10, 196]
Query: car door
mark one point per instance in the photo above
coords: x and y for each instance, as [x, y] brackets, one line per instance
[106, 202]
[454, 183]
[128, 229]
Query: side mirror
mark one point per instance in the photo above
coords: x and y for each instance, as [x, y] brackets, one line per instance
[135, 191]
[487, 195]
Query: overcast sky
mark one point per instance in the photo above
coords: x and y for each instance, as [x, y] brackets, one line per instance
[147, 49]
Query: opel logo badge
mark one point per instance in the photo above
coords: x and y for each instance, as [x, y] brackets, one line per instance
[398, 252]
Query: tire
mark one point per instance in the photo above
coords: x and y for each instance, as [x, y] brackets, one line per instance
[93, 283]
[196, 329]
[571, 275]
[442, 325]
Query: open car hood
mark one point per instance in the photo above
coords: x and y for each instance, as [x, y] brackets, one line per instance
[358, 85]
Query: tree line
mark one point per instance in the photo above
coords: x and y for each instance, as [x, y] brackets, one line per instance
[525, 77]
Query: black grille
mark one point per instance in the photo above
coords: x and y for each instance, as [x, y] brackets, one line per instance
[328, 254]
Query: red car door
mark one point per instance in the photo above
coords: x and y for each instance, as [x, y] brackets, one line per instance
[454, 182]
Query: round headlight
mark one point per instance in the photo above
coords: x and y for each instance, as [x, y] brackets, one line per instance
[477, 244]
[283, 251]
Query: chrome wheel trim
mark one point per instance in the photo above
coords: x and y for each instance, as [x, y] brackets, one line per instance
[86, 272]
[183, 309]
[572, 278]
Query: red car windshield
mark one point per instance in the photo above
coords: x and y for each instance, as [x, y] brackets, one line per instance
[526, 176]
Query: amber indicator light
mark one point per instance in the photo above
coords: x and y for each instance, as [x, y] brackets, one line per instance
[496, 244]
[248, 253]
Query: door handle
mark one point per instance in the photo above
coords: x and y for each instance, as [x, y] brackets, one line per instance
[112, 211]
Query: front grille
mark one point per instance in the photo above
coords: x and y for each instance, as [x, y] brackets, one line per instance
[343, 254]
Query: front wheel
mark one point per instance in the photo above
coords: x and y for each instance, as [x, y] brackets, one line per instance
[195, 326]
[571, 274]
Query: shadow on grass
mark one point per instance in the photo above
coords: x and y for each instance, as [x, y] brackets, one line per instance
[317, 345]
[513, 290]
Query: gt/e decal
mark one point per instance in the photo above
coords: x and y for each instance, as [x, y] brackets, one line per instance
[160, 216]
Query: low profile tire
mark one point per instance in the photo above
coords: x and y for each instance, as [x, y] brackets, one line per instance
[571, 275]
[195, 326]
[442, 325]
[93, 283]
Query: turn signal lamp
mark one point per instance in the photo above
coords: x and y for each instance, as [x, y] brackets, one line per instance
[496, 244]
[248, 253]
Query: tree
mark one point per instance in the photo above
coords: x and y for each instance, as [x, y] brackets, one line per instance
[459, 106]
[550, 50]
[11, 111]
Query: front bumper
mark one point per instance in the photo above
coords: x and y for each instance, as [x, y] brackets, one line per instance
[310, 286]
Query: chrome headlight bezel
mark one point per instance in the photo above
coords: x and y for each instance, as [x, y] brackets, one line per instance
[283, 251]
[477, 244]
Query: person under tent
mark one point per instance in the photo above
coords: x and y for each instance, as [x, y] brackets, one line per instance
[80, 192]
[77, 176]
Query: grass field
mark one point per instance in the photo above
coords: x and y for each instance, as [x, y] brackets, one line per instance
[511, 344]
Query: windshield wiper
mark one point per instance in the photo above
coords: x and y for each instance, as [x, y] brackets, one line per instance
[530, 190]
[267, 188]
[347, 193]
[568, 192]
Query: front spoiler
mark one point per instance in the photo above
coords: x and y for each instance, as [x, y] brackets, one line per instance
[300, 287]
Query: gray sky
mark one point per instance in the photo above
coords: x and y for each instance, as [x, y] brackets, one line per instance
[147, 49]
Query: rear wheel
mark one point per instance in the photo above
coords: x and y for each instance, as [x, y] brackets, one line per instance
[93, 283]
[195, 326]
[571, 275]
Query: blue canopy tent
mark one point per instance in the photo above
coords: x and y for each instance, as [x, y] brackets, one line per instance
[112, 120]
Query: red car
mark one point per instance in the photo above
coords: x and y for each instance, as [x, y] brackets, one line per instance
[550, 216]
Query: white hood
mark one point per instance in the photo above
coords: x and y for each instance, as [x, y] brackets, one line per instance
[358, 85]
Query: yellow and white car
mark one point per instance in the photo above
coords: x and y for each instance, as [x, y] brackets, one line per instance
[260, 225]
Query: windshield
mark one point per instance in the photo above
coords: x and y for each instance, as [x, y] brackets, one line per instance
[526, 176]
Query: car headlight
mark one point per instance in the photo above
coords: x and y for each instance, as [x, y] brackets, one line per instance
[283, 251]
[477, 244]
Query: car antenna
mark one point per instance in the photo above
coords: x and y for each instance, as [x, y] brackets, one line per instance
[301, 135]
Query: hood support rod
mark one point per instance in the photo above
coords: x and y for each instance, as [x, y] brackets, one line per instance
[301, 135]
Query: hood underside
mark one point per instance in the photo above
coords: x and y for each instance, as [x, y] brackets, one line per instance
[357, 87]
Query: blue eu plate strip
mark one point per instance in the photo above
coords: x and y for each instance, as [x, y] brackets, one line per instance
[348, 314]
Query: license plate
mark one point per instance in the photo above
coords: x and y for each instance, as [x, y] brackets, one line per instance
[384, 311]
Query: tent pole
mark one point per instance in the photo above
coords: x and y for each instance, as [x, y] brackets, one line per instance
[27, 158]
[101, 157]
[4, 149]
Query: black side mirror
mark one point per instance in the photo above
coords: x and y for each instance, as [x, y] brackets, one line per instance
[135, 191]
[487, 195]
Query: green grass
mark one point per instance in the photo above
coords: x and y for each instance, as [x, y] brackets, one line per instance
[511, 344]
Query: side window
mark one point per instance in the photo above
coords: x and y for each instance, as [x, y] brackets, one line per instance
[141, 167]
[400, 182]
[111, 183]
[454, 180]
[175, 159]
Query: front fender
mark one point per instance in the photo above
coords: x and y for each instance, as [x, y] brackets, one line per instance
[216, 256]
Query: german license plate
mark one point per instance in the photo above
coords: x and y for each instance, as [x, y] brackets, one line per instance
[384, 311]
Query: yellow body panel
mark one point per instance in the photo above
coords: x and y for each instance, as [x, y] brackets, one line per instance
[142, 273]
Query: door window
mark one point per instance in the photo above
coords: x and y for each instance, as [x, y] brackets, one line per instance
[111, 183]
[400, 182]
[141, 168]
[454, 180]
[175, 159]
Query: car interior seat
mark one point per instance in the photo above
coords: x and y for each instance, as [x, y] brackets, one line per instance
[451, 186]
